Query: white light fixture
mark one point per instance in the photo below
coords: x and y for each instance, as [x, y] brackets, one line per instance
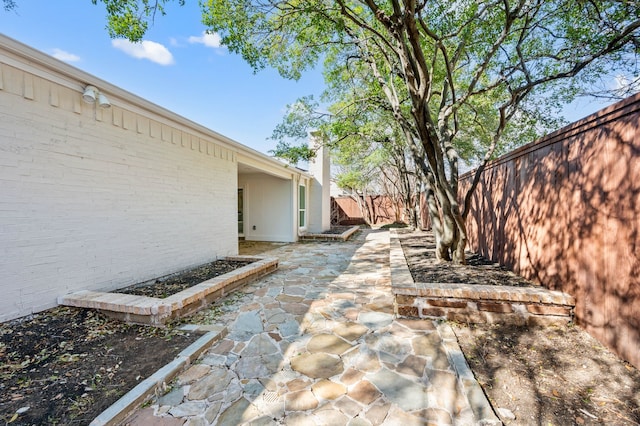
[103, 101]
[90, 94]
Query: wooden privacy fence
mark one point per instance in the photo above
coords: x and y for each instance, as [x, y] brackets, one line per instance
[565, 212]
[345, 210]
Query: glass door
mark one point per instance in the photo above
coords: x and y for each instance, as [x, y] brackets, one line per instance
[240, 212]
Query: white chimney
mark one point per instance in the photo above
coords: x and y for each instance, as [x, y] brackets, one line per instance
[319, 194]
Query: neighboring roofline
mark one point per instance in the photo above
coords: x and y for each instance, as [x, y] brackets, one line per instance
[115, 93]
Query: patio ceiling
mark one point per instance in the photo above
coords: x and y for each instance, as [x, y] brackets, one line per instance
[245, 169]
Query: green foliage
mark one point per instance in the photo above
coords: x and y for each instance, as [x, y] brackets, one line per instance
[9, 5]
[293, 154]
[130, 18]
[486, 71]
[287, 35]
[449, 81]
[301, 118]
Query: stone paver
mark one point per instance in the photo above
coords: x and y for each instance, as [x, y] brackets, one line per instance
[317, 343]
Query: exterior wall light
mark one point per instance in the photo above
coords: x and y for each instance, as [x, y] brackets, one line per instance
[91, 95]
[103, 101]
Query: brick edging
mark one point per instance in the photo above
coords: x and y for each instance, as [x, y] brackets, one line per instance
[473, 303]
[155, 311]
[120, 409]
[331, 237]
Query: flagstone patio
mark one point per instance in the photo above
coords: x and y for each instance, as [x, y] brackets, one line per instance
[317, 342]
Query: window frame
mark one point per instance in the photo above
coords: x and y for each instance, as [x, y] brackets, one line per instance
[302, 206]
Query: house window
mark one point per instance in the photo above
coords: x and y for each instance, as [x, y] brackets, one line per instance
[302, 206]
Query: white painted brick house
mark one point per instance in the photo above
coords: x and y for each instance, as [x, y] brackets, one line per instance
[100, 198]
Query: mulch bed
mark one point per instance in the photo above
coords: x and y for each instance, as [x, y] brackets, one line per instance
[419, 250]
[336, 230]
[533, 376]
[165, 287]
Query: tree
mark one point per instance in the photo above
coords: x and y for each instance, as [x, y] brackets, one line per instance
[457, 76]
[365, 144]
[8, 5]
[370, 169]
[364, 140]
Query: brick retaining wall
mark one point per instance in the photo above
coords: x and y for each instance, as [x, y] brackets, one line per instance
[470, 303]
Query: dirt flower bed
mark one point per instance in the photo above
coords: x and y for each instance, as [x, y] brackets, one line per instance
[66, 365]
[173, 284]
[336, 230]
[419, 250]
[533, 376]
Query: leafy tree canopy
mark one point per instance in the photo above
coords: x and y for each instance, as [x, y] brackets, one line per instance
[130, 18]
[8, 5]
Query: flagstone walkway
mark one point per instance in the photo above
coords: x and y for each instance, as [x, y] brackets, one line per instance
[317, 343]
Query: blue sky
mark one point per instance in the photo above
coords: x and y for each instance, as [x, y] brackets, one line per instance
[176, 67]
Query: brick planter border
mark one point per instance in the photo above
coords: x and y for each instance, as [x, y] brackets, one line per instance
[474, 303]
[155, 311]
[331, 237]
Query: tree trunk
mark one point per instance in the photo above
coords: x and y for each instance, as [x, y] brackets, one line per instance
[448, 227]
[451, 239]
[410, 211]
[409, 202]
[372, 209]
[361, 200]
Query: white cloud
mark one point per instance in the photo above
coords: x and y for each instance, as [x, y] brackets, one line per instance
[64, 56]
[155, 52]
[208, 39]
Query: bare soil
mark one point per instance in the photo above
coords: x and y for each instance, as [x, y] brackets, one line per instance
[167, 286]
[533, 376]
[419, 250]
[551, 376]
[67, 365]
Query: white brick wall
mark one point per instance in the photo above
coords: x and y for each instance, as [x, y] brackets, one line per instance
[100, 199]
